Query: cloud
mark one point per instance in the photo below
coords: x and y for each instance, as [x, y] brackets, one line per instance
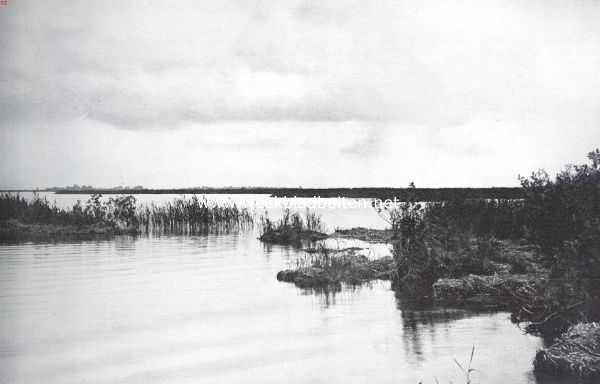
[369, 144]
[292, 92]
[163, 66]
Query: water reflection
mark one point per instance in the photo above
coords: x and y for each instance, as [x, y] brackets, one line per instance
[207, 308]
[326, 295]
[427, 323]
[332, 295]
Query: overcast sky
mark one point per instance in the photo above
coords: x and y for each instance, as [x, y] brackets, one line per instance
[288, 93]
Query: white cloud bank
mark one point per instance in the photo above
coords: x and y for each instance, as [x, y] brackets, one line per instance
[296, 92]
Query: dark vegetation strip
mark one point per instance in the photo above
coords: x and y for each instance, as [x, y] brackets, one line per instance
[162, 191]
[423, 194]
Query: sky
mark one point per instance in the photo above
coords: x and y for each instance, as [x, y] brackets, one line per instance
[296, 93]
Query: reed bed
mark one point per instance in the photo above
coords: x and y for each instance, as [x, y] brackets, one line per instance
[120, 214]
[192, 215]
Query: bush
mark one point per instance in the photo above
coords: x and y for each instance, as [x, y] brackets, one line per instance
[436, 241]
[565, 208]
[560, 217]
[119, 211]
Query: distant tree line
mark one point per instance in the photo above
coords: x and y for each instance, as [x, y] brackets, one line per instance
[401, 194]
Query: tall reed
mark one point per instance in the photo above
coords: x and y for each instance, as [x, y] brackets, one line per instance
[190, 215]
[182, 215]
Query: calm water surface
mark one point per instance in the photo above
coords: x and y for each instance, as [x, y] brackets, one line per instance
[208, 309]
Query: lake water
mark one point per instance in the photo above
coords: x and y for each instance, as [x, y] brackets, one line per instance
[208, 309]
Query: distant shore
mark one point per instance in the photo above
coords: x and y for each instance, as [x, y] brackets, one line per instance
[421, 194]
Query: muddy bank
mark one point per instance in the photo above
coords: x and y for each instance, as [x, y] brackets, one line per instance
[14, 230]
[344, 268]
[291, 237]
[365, 234]
[495, 291]
[575, 353]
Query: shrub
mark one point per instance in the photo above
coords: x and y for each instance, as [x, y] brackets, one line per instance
[565, 208]
[561, 217]
[435, 241]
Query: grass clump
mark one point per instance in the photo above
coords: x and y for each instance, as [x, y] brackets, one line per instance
[292, 228]
[575, 353]
[328, 267]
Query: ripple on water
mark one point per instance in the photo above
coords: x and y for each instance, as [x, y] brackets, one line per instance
[209, 309]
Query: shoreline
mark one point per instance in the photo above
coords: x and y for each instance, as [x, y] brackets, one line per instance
[513, 281]
[383, 193]
[330, 269]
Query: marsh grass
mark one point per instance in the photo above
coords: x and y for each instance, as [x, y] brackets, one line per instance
[192, 215]
[292, 222]
[320, 256]
[119, 214]
[321, 266]
[117, 211]
[291, 228]
[468, 370]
